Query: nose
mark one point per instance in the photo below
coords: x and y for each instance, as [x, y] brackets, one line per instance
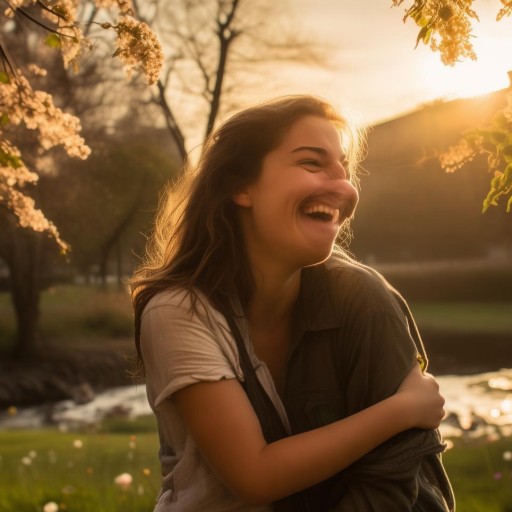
[337, 171]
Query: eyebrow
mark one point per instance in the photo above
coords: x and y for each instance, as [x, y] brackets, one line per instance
[315, 149]
[319, 151]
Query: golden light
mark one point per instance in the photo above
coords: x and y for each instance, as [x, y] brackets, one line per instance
[492, 44]
[469, 78]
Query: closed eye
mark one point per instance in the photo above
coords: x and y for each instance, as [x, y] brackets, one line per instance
[310, 165]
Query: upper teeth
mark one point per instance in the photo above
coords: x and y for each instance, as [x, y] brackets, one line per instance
[322, 208]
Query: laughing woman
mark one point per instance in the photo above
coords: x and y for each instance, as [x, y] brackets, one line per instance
[283, 375]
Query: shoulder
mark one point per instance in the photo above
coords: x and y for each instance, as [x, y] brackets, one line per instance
[185, 304]
[357, 286]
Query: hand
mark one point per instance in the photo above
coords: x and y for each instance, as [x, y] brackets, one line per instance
[425, 405]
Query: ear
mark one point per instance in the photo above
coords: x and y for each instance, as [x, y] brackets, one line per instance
[243, 199]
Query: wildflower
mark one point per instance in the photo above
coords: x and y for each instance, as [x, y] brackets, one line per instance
[146, 472]
[32, 454]
[124, 480]
[132, 445]
[51, 506]
[507, 455]
[495, 413]
[68, 489]
[493, 437]
[26, 461]
[78, 443]
[497, 475]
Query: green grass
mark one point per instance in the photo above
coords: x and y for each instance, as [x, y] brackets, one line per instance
[72, 312]
[82, 479]
[77, 479]
[481, 478]
[476, 317]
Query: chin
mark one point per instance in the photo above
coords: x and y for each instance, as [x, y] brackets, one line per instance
[317, 257]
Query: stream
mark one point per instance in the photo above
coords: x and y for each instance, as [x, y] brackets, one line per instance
[476, 406]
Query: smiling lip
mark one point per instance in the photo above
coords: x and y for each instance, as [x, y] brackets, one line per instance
[339, 205]
[327, 213]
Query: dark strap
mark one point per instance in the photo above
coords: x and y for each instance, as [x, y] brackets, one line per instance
[271, 424]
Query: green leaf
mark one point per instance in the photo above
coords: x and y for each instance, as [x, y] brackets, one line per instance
[506, 179]
[421, 35]
[53, 41]
[4, 77]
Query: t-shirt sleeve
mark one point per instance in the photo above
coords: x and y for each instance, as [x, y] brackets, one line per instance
[181, 346]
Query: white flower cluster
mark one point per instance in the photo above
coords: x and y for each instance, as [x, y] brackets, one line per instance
[455, 157]
[137, 45]
[20, 104]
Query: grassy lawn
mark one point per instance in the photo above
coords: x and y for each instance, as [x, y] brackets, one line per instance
[477, 317]
[72, 312]
[77, 470]
[481, 477]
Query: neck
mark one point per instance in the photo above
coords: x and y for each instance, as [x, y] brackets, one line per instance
[274, 297]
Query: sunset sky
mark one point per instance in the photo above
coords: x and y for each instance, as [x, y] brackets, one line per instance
[375, 70]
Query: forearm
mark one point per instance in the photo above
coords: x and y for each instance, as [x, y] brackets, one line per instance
[300, 461]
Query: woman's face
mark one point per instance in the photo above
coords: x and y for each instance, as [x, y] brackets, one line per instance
[292, 214]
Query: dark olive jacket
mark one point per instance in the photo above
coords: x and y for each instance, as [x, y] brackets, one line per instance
[354, 342]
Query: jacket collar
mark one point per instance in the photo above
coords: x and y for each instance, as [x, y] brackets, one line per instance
[314, 310]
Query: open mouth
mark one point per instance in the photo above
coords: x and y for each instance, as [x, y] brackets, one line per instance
[322, 213]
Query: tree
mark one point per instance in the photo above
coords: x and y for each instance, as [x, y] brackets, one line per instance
[215, 47]
[446, 26]
[21, 105]
[210, 42]
[97, 213]
[31, 124]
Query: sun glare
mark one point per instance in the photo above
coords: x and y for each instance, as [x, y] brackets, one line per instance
[472, 78]
[466, 78]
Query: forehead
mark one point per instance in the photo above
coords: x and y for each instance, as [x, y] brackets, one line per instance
[313, 131]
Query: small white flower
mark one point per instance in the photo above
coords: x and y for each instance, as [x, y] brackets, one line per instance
[32, 454]
[124, 480]
[26, 461]
[507, 455]
[51, 506]
[78, 443]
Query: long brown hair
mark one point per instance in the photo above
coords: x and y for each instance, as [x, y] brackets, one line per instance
[197, 242]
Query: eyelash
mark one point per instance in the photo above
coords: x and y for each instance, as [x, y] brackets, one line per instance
[313, 163]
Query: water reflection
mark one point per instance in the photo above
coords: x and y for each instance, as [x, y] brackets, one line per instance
[476, 406]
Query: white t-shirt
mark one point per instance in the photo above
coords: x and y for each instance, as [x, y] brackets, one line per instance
[181, 347]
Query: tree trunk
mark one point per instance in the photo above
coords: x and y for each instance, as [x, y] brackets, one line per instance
[24, 259]
[226, 35]
[119, 264]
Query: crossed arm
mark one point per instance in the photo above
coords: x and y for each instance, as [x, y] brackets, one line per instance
[228, 434]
